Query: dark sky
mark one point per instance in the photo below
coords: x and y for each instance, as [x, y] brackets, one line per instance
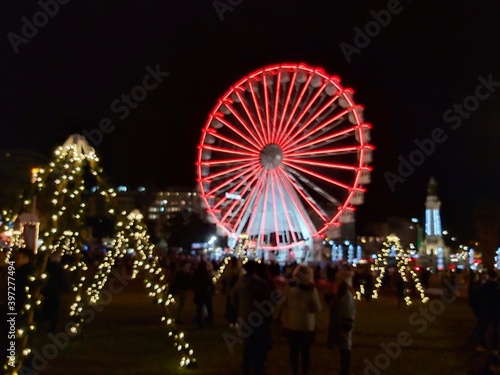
[429, 56]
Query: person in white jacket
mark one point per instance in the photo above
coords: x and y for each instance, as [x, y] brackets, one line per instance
[301, 304]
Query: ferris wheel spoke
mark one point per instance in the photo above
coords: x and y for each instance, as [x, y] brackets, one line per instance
[276, 105]
[318, 175]
[328, 107]
[229, 151]
[324, 151]
[314, 187]
[258, 136]
[291, 86]
[324, 124]
[273, 189]
[248, 185]
[257, 129]
[318, 141]
[232, 179]
[264, 209]
[321, 164]
[238, 116]
[223, 172]
[229, 140]
[304, 110]
[284, 178]
[224, 161]
[253, 199]
[313, 145]
[294, 108]
[287, 216]
[257, 110]
[266, 106]
[307, 197]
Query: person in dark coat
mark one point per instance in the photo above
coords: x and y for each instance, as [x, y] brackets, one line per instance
[250, 291]
[228, 279]
[490, 365]
[180, 287]
[474, 302]
[204, 291]
[342, 317]
[489, 311]
[55, 286]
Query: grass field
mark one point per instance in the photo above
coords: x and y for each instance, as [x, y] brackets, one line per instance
[126, 337]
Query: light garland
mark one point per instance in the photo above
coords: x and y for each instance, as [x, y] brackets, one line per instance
[62, 185]
[392, 243]
[244, 246]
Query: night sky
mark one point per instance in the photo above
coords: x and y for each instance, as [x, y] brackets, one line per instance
[428, 57]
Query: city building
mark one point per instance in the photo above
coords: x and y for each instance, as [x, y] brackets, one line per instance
[169, 204]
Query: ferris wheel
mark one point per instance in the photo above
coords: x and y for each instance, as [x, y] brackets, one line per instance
[283, 156]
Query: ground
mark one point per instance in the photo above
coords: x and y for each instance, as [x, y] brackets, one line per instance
[126, 337]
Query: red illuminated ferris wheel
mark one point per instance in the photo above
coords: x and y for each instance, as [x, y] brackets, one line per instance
[283, 156]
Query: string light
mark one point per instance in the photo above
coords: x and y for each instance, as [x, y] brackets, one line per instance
[62, 186]
[392, 244]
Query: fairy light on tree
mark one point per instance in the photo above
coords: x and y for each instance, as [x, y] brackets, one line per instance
[244, 246]
[392, 245]
[61, 202]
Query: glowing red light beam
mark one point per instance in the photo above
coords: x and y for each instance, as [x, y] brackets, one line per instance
[256, 128]
[291, 137]
[308, 199]
[261, 183]
[229, 180]
[288, 134]
[257, 109]
[325, 151]
[229, 151]
[266, 106]
[329, 137]
[294, 109]
[214, 133]
[316, 129]
[273, 190]
[286, 106]
[277, 84]
[317, 175]
[321, 164]
[283, 201]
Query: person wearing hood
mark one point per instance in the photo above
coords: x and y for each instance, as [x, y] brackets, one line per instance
[342, 315]
[301, 304]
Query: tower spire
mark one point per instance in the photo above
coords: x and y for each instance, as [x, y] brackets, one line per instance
[432, 187]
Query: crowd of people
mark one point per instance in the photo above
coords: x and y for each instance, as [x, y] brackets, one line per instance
[256, 294]
[250, 285]
[254, 299]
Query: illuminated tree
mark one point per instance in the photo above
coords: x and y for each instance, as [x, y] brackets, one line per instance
[392, 247]
[62, 194]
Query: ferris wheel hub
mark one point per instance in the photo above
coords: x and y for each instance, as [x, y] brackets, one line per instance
[271, 156]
